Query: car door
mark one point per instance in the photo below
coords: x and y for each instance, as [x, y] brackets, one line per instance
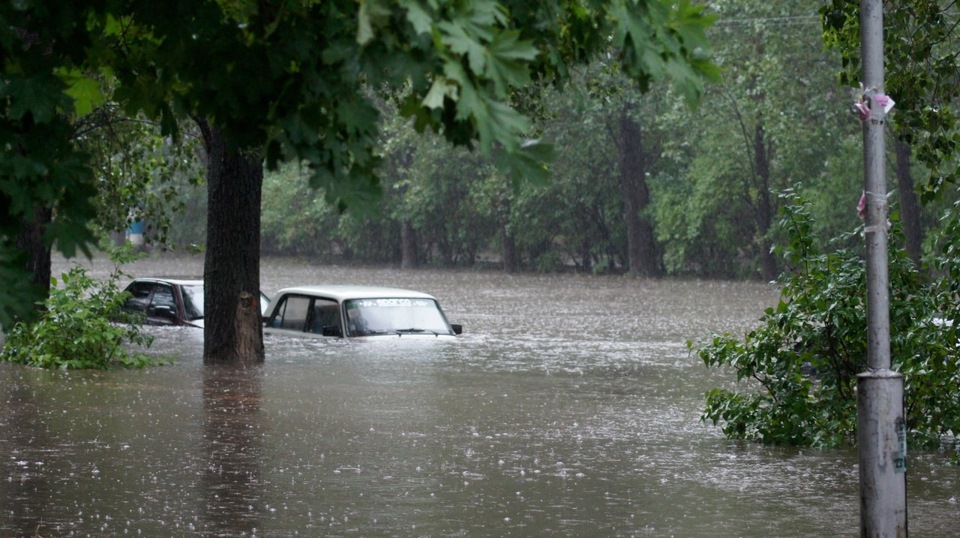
[139, 299]
[304, 315]
[325, 317]
[290, 314]
[162, 309]
[155, 301]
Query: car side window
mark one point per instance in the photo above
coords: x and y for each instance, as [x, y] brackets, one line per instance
[325, 313]
[163, 297]
[292, 313]
[139, 296]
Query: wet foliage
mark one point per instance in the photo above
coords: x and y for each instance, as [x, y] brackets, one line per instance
[796, 372]
[78, 329]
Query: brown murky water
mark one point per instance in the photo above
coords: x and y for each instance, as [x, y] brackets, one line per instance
[570, 407]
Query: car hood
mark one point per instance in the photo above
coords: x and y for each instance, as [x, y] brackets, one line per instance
[404, 336]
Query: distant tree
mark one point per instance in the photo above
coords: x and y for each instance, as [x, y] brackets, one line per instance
[587, 215]
[296, 219]
[909, 202]
[443, 203]
[637, 153]
[769, 125]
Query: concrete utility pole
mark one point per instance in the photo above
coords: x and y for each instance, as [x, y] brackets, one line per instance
[881, 428]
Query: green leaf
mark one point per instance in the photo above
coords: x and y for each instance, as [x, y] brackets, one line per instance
[441, 89]
[505, 66]
[371, 12]
[364, 31]
[85, 91]
[460, 42]
[421, 20]
[528, 164]
[40, 96]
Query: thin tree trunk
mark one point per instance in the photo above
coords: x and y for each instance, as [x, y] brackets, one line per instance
[408, 242]
[909, 205]
[768, 262]
[508, 248]
[586, 256]
[233, 332]
[642, 257]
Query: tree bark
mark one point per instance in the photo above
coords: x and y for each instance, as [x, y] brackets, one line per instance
[909, 205]
[31, 242]
[408, 242]
[508, 248]
[642, 257]
[232, 332]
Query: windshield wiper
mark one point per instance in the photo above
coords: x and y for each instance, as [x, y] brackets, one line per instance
[398, 332]
[401, 332]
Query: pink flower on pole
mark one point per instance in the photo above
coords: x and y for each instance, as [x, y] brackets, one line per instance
[862, 206]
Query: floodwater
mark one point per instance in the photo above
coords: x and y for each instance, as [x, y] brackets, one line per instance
[569, 407]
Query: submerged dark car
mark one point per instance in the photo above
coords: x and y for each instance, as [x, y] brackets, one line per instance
[357, 311]
[167, 301]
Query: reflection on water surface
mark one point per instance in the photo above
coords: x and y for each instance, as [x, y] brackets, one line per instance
[569, 408]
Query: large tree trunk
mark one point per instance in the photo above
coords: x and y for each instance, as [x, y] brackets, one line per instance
[232, 332]
[909, 206]
[642, 257]
[768, 262]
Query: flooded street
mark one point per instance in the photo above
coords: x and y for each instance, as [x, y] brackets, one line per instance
[569, 407]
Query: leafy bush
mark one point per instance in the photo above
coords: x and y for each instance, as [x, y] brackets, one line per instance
[77, 330]
[801, 362]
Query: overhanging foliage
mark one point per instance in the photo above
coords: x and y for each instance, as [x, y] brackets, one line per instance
[283, 78]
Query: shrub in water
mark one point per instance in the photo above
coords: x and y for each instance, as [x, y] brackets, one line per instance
[797, 371]
[78, 328]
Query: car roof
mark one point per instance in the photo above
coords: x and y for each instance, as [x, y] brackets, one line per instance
[178, 281]
[343, 292]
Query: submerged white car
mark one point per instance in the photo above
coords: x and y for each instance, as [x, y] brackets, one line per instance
[356, 311]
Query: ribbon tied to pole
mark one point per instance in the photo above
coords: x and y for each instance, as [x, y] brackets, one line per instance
[871, 103]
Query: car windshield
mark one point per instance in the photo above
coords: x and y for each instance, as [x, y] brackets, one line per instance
[193, 302]
[394, 316]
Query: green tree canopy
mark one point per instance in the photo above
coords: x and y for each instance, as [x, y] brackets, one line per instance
[283, 78]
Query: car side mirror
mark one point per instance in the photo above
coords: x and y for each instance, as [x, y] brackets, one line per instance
[331, 330]
[457, 328]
